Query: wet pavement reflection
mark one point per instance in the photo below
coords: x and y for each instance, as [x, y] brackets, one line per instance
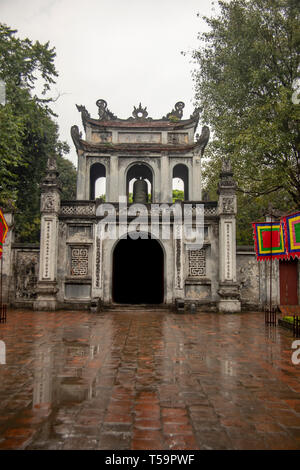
[147, 380]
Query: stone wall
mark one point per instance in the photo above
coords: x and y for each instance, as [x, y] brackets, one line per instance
[77, 238]
[75, 257]
[20, 268]
[25, 272]
[248, 277]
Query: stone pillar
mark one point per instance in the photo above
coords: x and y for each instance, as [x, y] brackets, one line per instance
[50, 205]
[196, 184]
[178, 260]
[82, 178]
[113, 180]
[7, 258]
[165, 180]
[227, 208]
[97, 287]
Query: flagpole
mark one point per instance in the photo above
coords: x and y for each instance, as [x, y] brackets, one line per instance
[271, 266]
[3, 232]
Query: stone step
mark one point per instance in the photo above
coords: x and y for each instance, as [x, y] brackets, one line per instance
[148, 307]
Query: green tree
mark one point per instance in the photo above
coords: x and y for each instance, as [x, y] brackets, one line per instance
[250, 208]
[67, 176]
[11, 134]
[178, 194]
[248, 66]
[28, 132]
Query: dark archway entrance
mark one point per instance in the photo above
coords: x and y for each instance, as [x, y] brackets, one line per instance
[138, 272]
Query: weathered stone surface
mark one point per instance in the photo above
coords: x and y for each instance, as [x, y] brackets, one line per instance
[76, 254]
[147, 380]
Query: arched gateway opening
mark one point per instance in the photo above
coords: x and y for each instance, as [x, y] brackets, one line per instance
[138, 272]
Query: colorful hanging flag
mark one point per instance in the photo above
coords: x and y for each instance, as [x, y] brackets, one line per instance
[291, 225]
[3, 231]
[269, 240]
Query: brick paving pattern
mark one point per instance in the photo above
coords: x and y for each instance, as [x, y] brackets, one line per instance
[147, 380]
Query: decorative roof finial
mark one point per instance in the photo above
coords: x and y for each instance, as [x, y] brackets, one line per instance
[140, 113]
[76, 136]
[177, 112]
[84, 113]
[202, 140]
[104, 113]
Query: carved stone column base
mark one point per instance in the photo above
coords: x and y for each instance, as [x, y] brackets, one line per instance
[229, 298]
[46, 296]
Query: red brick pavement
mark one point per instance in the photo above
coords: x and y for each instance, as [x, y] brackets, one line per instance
[147, 380]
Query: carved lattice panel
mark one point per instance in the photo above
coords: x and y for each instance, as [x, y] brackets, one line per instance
[197, 263]
[78, 210]
[79, 261]
[210, 211]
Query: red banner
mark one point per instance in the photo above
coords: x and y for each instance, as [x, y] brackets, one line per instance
[3, 231]
[269, 240]
[291, 225]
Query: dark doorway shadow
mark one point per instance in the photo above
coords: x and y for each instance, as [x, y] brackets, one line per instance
[138, 272]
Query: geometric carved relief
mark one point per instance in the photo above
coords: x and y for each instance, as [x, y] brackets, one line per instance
[210, 211]
[79, 261]
[197, 263]
[78, 210]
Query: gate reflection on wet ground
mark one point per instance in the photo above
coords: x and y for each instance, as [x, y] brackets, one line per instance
[147, 380]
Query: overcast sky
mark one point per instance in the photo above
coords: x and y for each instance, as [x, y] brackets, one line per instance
[124, 51]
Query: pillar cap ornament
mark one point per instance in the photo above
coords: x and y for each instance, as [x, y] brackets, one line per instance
[50, 188]
[226, 184]
[51, 181]
[226, 165]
